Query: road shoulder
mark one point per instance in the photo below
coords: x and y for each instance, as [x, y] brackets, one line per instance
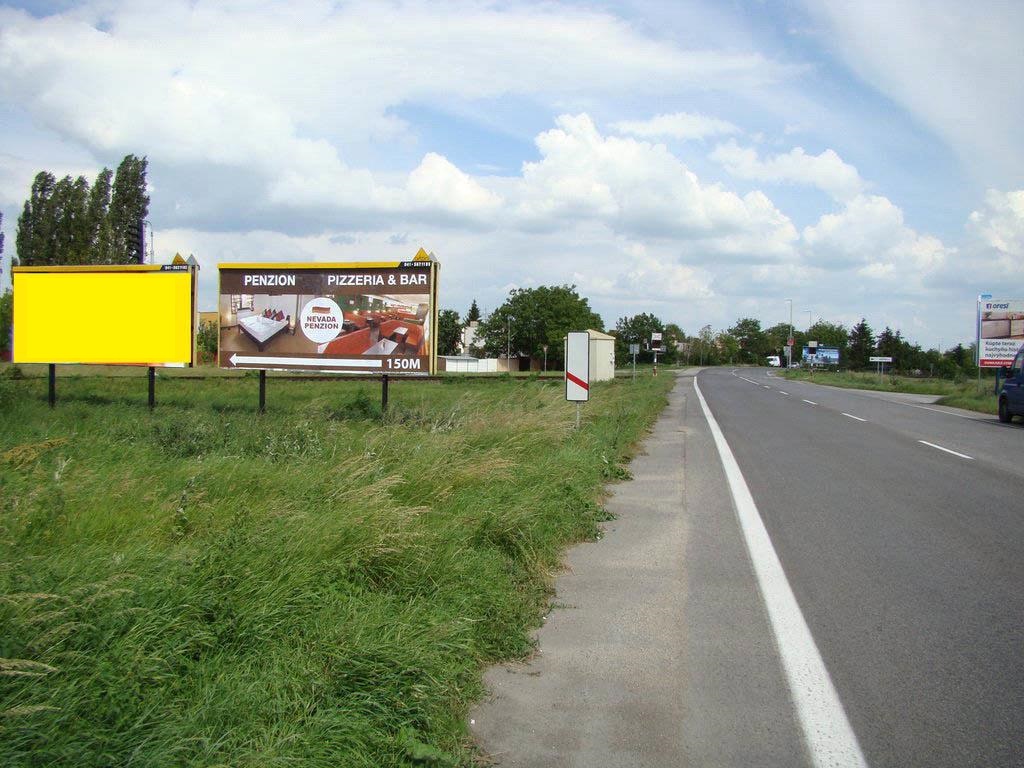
[657, 650]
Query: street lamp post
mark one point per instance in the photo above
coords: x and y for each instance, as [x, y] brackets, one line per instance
[789, 341]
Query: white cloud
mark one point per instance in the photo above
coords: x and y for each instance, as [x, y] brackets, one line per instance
[1000, 225]
[955, 66]
[678, 125]
[642, 189]
[826, 171]
[869, 235]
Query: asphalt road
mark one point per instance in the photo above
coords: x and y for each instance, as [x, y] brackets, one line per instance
[899, 529]
[906, 560]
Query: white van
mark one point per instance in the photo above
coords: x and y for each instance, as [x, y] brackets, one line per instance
[774, 361]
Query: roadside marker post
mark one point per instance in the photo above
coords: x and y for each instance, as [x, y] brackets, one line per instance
[633, 349]
[577, 369]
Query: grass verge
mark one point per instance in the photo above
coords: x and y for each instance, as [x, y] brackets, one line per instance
[205, 586]
[965, 394]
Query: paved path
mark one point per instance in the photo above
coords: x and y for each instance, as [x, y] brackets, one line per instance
[657, 650]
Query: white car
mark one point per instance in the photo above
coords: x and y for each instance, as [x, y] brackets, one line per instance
[774, 361]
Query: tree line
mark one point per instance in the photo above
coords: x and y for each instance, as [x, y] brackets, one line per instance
[747, 343]
[70, 221]
[532, 318]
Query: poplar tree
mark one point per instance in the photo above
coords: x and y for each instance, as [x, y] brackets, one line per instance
[129, 205]
[69, 206]
[35, 237]
[101, 234]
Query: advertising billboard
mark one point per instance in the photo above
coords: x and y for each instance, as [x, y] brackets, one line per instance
[1000, 330]
[133, 314]
[822, 356]
[368, 317]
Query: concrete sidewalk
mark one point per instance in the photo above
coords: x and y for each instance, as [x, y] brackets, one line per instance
[656, 651]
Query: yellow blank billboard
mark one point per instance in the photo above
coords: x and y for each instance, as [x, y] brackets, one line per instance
[117, 315]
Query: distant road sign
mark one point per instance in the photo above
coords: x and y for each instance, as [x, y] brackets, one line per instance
[634, 349]
[790, 342]
[880, 359]
[577, 366]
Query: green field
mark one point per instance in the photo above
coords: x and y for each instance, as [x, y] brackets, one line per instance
[202, 585]
[964, 394]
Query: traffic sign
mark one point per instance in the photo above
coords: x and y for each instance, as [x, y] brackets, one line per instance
[634, 349]
[577, 366]
[880, 359]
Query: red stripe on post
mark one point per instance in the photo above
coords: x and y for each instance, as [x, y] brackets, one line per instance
[577, 381]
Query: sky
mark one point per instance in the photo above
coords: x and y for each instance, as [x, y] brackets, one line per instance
[702, 161]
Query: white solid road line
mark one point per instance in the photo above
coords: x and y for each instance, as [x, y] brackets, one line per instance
[851, 416]
[810, 402]
[933, 445]
[948, 413]
[827, 732]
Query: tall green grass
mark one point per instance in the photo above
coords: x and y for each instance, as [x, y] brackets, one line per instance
[202, 585]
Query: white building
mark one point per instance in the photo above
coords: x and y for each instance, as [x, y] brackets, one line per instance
[468, 337]
[602, 356]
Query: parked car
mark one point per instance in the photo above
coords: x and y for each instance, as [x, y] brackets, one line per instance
[1011, 395]
[774, 361]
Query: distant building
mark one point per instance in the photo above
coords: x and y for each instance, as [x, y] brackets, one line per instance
[468, 338]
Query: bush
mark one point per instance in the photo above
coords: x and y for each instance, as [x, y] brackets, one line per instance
[206, 342]
[6, 322]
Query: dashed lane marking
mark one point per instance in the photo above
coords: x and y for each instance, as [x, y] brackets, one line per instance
[947, 450]
[851, 416]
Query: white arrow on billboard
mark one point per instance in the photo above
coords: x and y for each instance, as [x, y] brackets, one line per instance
[332, 362]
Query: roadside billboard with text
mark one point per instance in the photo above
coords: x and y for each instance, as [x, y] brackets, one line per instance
[1000, 330]
[373, 317]
[821, 356]
[129, 314]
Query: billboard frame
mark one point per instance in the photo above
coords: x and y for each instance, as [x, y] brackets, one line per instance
[1011, 347]
[117, 269]
[150, 365]
[308, 364]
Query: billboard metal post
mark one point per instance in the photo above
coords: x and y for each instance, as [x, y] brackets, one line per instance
[383, 395]
[152, 387]
[263, 391]
[52, 389]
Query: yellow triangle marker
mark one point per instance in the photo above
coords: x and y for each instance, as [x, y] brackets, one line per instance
[421, 255]
[179, 259]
